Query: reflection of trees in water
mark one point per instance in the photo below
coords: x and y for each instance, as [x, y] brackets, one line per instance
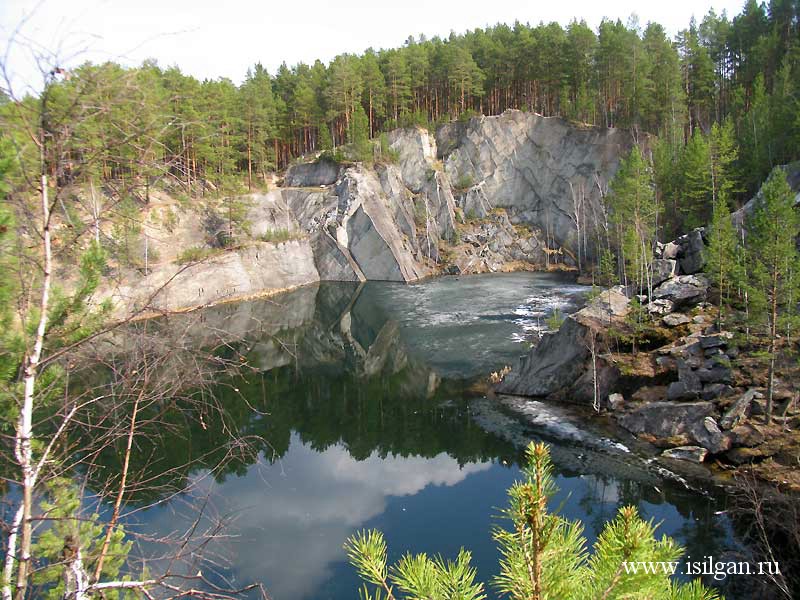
[381, 414]
[327, 363]
[322, 361]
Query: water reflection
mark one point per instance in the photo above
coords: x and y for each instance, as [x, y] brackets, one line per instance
[361, 399]
[293, 517]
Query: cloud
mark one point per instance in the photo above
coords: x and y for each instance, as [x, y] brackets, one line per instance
[294, 516]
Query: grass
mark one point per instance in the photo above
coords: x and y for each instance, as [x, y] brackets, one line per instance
[276, 236]
[196, 254]
[464, 182]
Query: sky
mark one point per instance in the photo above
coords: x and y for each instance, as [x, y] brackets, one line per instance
[210, 39]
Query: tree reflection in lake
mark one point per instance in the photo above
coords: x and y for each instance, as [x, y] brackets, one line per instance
[359, 405]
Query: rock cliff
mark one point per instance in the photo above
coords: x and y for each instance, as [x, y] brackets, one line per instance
[545, 172]
[516, 191]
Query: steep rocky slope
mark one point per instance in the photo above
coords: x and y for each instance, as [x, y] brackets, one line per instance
[494, 193]
[546, 172]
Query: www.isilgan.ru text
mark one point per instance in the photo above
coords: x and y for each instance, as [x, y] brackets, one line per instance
[717, 569]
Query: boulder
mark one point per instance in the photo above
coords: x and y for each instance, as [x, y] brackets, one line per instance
[707, 434]
[716, 374]
[323, 172]
[683, 291]
[713, 341]
[660, 307]
[662, 269]
[747, 436]
[615, 401]
[738, 411]
[745, 455]
[693, 252]
[688, 386]
[666, 419]
[648, 393]
[694, 454]
[715, 390]
[675, 319]
[680, 390]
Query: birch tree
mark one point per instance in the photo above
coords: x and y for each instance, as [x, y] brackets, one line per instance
[47, 318]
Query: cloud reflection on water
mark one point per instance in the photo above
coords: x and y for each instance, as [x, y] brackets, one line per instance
[292, 517]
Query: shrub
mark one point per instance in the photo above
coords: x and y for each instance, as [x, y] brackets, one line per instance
[464, 182]
[279, 235]
[555, 320]
[170, 220]
[420, 213]
[195, 254]
[467, 115]
[388, 154]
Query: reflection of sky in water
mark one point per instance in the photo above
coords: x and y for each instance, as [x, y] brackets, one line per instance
[292, 517]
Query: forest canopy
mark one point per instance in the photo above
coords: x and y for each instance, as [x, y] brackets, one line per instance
[743, 69]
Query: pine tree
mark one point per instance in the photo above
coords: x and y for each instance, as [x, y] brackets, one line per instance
[543, 555]
[359, 134]
[633, 213]
[258, 113]
[466, 79]
[697, 187]
[724, 153]
[398, 83]
[723, 265]
[773, 264]
[374, 96]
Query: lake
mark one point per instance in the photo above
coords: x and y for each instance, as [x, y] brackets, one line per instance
[364, 400]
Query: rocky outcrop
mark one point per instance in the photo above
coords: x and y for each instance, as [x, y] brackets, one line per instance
[322, 172]
[557, 367]
[541, 170]
[683, 291]
[666, 419]
[236, 274]
[792, 171]
[516, 191]
[561, 362]
[688, 253]
[739, 410]
[694, 454]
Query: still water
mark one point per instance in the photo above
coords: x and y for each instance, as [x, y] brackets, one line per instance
[364, 399]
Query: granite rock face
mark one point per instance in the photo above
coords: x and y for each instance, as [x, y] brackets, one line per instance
[236, 274]
[516, 191]
[540, 169]
[323, 172]
[792, 171]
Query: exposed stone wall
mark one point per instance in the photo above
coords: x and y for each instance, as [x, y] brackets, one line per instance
[542, 170]
[412, 218]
